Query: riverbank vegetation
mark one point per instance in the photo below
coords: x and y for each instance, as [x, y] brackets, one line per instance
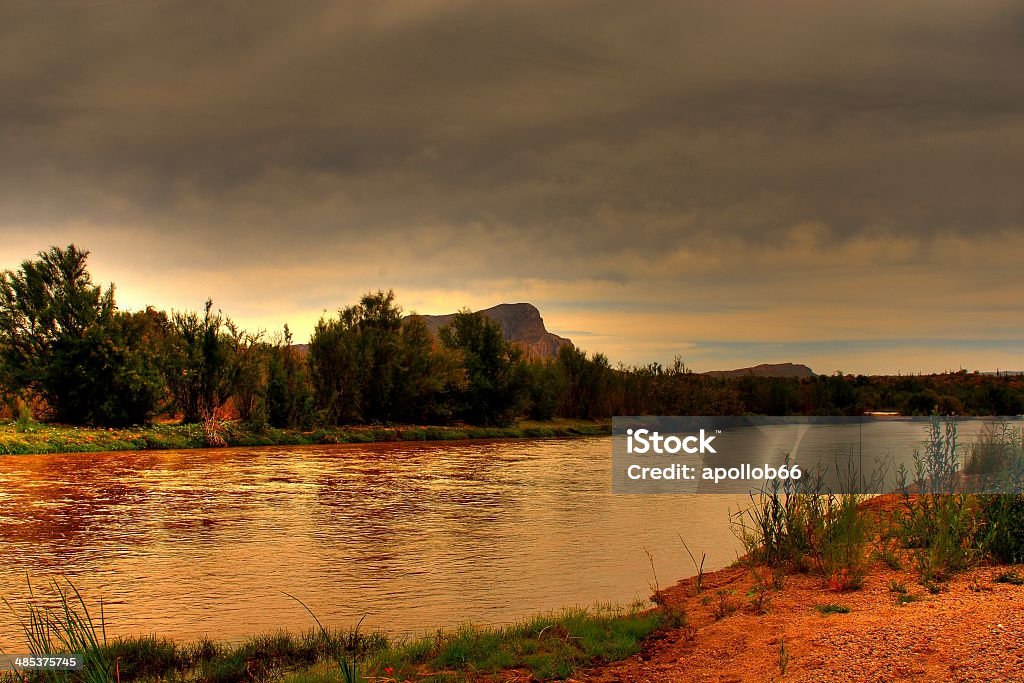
[941, 522]
[69, 355]
[549, 647]
[915, 584]
[24, 437]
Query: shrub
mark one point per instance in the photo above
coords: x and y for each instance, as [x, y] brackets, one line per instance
[1003, 519]
[832, 608]
[794, 524]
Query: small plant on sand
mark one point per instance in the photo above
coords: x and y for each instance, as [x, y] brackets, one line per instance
[757, 598]
[674, 615]
[897, 587]
[699, 579]
[725, 606]
[890, 559]
[766, 579]
[978, 586]
[783, 658]
[1002, 519]
[1011, 577]
[939, 524]
[799, 525]
[843, 580]
[906, 598]
[832, 608]
[773, 528]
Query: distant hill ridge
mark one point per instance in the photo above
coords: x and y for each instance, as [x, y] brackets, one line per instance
[520, 323]
[766, 370]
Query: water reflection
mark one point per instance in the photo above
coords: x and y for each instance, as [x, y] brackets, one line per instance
[411, 535]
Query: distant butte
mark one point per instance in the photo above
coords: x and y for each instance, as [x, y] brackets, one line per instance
[766, 370]
[520, 324]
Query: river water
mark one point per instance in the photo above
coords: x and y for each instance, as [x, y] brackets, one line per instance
[406, 536]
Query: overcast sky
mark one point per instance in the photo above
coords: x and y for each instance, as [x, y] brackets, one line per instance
[838, 184]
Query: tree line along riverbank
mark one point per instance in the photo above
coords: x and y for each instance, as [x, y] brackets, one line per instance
[22, 437]
[69, 355]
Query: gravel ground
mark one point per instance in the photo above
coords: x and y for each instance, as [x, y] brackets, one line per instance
[973, 630]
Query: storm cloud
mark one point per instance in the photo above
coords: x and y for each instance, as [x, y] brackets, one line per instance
[729, 181]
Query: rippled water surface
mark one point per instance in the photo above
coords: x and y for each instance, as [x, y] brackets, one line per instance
[413, 536]
[407, 536]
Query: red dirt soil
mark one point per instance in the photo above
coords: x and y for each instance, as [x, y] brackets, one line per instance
[972, 630]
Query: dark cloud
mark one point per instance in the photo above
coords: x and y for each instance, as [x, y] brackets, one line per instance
[520, 140]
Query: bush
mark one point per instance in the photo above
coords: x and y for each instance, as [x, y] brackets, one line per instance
[1003, 520]
[795, 525]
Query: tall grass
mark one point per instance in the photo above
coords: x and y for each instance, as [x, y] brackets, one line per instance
[67, 628]
[1002, 521]
[550, 646]
[773, 528]
[938, 522]
[947, 529]
[798, 525]
[996, 458]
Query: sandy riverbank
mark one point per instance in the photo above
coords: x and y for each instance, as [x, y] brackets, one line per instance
[892, 629]
[971, 631]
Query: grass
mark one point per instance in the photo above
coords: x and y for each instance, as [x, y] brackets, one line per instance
[19, 437]
[1011, 577]
[906, 598]
[68, 628]
[797, 526]
[832, 608]
[699, 578]
[551, 646]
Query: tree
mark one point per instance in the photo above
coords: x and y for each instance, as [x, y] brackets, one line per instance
[355, 360]
[63, 339]
[496, 386]
[588, 383]
[201, 364]
[288, 397]
[430, 377]
[123, 382]
[545, 386]
[248, 353]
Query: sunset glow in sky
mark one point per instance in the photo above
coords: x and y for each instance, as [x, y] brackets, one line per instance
[836, 184]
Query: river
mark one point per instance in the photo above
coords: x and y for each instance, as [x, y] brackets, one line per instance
[405, 536]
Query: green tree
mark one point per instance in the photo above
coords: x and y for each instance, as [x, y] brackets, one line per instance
[249, 356]
[545, 388]
[63, 339]
[355, 360]
[201, 363]
[289, 397]
[588, 383]
[430, 378]
[495, 387]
